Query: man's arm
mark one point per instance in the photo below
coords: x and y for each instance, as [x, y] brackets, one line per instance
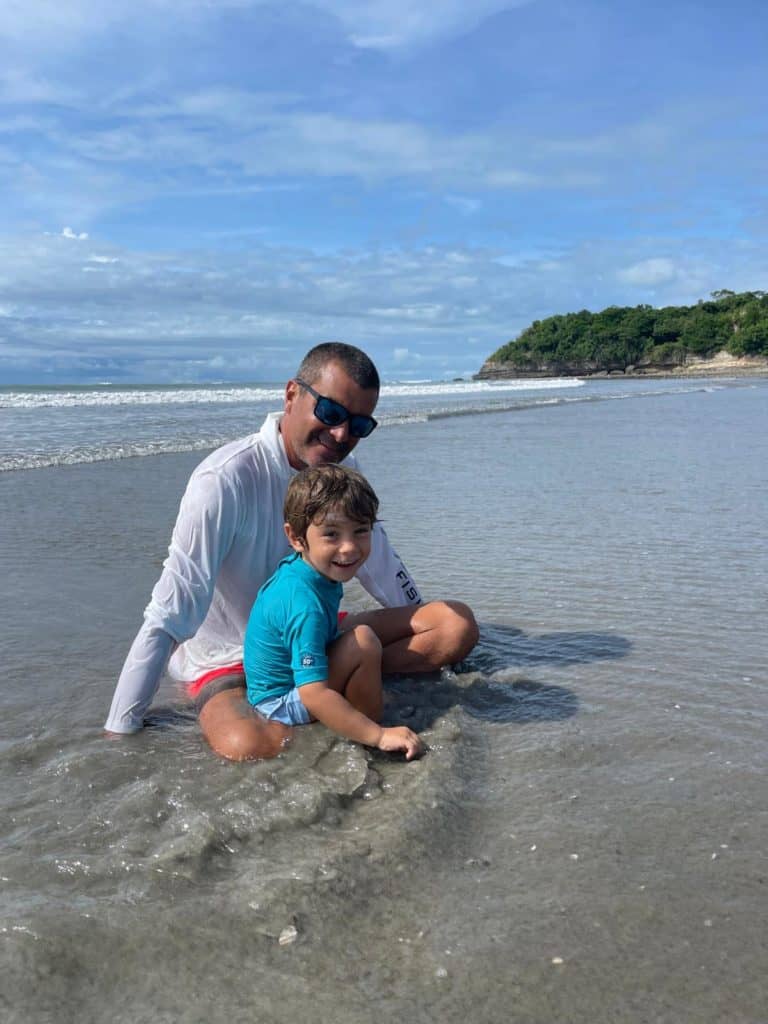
[139, 679]
[181, 597]
[385, 577]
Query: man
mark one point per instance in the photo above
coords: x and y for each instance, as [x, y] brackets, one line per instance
[229, 538]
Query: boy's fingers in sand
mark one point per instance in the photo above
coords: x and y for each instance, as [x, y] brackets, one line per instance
[400, 737]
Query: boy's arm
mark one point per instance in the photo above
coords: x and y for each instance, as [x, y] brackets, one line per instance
[333, 710]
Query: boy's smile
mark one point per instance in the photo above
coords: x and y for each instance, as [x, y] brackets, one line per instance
[335, 547]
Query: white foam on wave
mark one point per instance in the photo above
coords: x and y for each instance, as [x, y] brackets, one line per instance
[402, 417]
[229, 395]
[104, 453]
[405, 389]
[159, 396]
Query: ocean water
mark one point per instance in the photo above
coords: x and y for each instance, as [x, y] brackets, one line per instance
[44, 427]
[584, 841]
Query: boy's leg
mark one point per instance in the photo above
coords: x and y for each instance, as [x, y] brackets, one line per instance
[354, 670]
[420, 638]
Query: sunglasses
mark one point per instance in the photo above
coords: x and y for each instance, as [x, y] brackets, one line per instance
[332, 414]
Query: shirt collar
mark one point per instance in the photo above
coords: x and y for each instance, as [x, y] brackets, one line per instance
[309, 573]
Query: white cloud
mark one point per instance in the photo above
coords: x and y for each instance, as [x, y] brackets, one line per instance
[69, 233]
[399, 23]
[21, 86]
[191, 139]
[509, 178]
[658, 270]
[50, 24]
[162, 311]
[464, 204]
[156, 144]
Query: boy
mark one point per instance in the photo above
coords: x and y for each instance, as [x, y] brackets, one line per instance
[298, 667]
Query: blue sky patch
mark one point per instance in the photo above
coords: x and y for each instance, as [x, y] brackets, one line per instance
[192, 186]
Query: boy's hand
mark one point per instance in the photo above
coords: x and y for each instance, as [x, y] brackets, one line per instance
[400, 737]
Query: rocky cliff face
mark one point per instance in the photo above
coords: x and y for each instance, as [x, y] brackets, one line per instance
[721, 363]
[491, 370]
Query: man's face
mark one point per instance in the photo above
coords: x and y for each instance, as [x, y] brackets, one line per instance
[308, 442]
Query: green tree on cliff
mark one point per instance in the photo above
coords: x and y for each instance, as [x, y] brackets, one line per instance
[619, 337]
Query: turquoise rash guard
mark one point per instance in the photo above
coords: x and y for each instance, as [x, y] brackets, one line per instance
[293, 621]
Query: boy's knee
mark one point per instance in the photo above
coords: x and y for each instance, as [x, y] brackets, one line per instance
[234, 731]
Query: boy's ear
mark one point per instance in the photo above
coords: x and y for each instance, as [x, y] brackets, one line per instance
[297, 543]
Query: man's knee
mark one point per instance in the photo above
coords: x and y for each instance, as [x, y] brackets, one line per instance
[235, 731]
[367, 640]
[459, 629]
[244, 744]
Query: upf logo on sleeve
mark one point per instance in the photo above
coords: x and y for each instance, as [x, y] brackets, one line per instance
[307, 660]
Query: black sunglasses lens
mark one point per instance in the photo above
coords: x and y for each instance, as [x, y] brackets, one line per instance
[332, 414]
[361, 426]
[329, 412]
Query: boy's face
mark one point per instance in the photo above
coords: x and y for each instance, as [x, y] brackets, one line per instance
[336, 547]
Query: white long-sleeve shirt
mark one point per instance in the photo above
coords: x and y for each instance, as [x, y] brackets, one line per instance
[227, 541]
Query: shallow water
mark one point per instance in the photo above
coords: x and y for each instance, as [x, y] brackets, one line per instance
[585, 840]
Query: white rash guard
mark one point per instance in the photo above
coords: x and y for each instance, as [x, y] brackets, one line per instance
[227, 541]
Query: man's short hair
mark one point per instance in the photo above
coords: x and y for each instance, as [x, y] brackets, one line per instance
[355, 363]
[318, 490]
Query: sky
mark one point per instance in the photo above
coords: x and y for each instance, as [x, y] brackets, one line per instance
[201, 191]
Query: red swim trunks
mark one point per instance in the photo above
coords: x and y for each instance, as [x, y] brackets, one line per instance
[194, 688]
[196, 685]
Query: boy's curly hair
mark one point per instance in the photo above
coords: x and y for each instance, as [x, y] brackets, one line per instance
[318, 490]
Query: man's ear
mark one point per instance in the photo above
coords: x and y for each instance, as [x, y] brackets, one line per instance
[291, 393]
[297, 543]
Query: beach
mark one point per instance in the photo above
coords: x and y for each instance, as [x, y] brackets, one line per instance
[585, 839]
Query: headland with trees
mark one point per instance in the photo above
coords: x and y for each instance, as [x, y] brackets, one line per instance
[727, 333]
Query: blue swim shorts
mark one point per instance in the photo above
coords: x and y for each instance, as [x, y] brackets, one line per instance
[287, 709]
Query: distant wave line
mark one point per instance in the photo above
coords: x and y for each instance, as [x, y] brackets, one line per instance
[402, 417]
[106, 453]
[103, 399]
[478, 387]
[20, 399]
